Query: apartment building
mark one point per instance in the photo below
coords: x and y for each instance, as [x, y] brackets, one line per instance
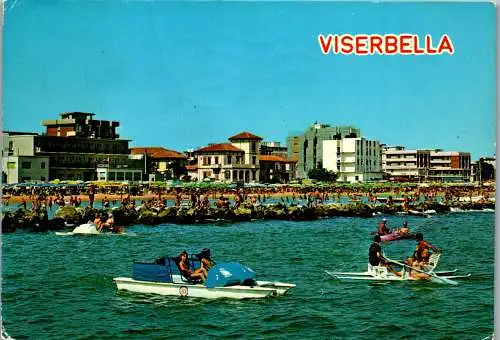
[353, 159]
[408, 165]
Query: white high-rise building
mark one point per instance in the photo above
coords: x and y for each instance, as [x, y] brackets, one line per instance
[353, 159]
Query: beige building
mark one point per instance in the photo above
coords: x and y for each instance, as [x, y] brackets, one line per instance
[161, 162]
[22, 169]
[399, 163]
[237, 161]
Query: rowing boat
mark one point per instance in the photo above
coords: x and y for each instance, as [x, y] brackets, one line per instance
[407, 273]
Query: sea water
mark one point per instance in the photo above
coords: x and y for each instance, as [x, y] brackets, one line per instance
[61, 287]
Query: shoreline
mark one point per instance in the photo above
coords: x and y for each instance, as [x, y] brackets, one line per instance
[353, 197]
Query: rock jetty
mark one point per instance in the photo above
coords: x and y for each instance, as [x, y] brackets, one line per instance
[68, 217]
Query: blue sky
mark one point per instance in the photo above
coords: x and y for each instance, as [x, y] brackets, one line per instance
[185, 74]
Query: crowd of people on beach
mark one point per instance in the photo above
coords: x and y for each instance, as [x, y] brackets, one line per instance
[203, 198]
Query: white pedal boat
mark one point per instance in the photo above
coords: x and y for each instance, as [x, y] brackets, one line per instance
[228, 280]
[86, 229]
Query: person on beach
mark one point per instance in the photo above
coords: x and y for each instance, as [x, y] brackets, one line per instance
[105, 202]
[91, 193]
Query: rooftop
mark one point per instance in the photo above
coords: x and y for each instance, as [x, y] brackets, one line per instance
[157, 152]
[19, 133]
[223, 147]
[245, 136]
[274, 158]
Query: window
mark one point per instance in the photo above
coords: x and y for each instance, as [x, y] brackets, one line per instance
[42, 165]
[119, 176]
[128, 176]
[11, 165]
[229, 158]
[137, 176]
[356, 178]
[216, 160]
[254, 147]
[26, 165]
[254, 160]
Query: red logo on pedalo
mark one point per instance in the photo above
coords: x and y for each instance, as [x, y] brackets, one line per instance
[388, 44]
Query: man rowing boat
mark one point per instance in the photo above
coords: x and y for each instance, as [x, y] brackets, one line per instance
[421, 254]
[376, 258]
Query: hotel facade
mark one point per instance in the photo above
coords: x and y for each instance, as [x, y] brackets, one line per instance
[76, 145]
[426, 165]
[310, 145]
[353, 159]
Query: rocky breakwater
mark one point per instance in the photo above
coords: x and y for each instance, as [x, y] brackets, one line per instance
[68, 217]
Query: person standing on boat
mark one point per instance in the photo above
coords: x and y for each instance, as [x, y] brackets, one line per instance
[375, 257]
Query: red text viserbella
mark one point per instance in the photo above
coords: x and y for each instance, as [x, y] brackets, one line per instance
[387, 44]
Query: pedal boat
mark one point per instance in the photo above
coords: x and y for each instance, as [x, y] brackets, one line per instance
[227, 280]
[87, 229]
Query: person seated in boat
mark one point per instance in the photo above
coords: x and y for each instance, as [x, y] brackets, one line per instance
[375, 257]
[198, 274]
[382, 228]
[205, 260]
[404, 230]
[421, 254]
[97, 222]
[109, 224]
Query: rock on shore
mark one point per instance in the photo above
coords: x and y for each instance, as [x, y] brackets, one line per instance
[69, 216]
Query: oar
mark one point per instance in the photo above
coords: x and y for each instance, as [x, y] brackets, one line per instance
[433, 275]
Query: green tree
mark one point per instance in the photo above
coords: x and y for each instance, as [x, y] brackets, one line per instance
[322, 174]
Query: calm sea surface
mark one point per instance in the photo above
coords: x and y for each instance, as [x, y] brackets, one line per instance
[61, 287]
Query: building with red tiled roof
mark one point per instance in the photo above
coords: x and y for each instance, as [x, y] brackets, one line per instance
[237, 161]
[222, 147]
[157, 152]
[277, 169]
[160, 162]
[245, 136]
